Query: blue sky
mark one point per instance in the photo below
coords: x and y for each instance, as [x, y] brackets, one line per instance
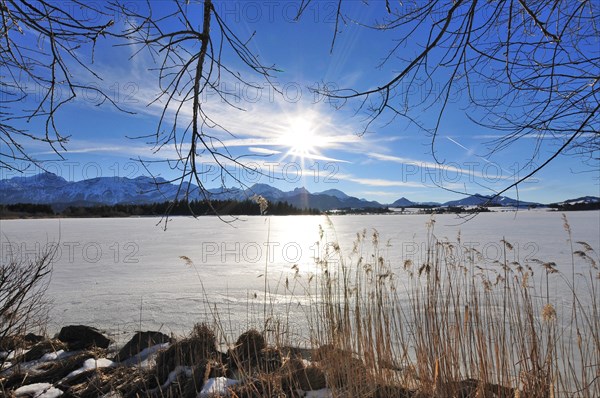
[298, 138]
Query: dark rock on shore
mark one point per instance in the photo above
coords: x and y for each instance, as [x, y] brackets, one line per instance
[299, 376]
[250, 355]
[80, 337]
[141, 341]
[342, 369]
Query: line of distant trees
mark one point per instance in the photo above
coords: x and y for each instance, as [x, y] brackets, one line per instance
[575, 206]
[457, 210]
[179, 208]
[363, 210]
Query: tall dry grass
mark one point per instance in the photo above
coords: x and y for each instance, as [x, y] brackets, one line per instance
[456, 324]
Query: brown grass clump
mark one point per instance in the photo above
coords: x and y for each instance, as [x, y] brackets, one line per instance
[130, 383]
[388, 391]
[249, 345]
[342, 369]
[200, 347]
[203, 332]
[193, 384]
[298, 376]
[262, 385]
[11, 343]
[139, 342]
[270, 360]
[97, 382]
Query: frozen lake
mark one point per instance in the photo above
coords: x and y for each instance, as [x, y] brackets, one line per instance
[124, 274]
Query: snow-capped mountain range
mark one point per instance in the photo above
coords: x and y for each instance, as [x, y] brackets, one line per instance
[582, 200]
[49, 188]
[489, 200]
[52, 189]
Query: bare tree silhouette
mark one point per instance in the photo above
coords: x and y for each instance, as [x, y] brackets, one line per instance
[542, 59]
[189, 48]
[38, 72]
[187, 41]
[23, 283]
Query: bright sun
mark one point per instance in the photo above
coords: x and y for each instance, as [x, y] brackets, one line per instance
[301, 138]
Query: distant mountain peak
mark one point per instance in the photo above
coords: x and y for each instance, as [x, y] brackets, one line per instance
[482, 200]
[264, 190]
[333, 192]
[45, 175]
[261, 185]
[40, 178]
[402, 202]
[581, 200]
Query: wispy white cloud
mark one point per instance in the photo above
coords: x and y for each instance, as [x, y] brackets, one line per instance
[313, 156]
[91, 147]
[258, 123]
[263, 151]
[382, 194]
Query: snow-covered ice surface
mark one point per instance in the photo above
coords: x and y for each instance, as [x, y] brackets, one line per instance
[126, 274]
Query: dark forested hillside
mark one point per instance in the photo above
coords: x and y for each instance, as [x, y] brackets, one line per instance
[176, 208]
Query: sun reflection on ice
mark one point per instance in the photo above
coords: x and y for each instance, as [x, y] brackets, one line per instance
[296, 242]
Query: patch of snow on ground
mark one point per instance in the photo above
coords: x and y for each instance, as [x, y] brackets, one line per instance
[90, 364]
[38, 390]
[173, 375]
[12, 354]
[143, 357]
[33, 365]
[216, 387]
[52, 356]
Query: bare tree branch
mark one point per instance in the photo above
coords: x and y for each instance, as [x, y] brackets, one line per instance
[522, 79]
[36, 76]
